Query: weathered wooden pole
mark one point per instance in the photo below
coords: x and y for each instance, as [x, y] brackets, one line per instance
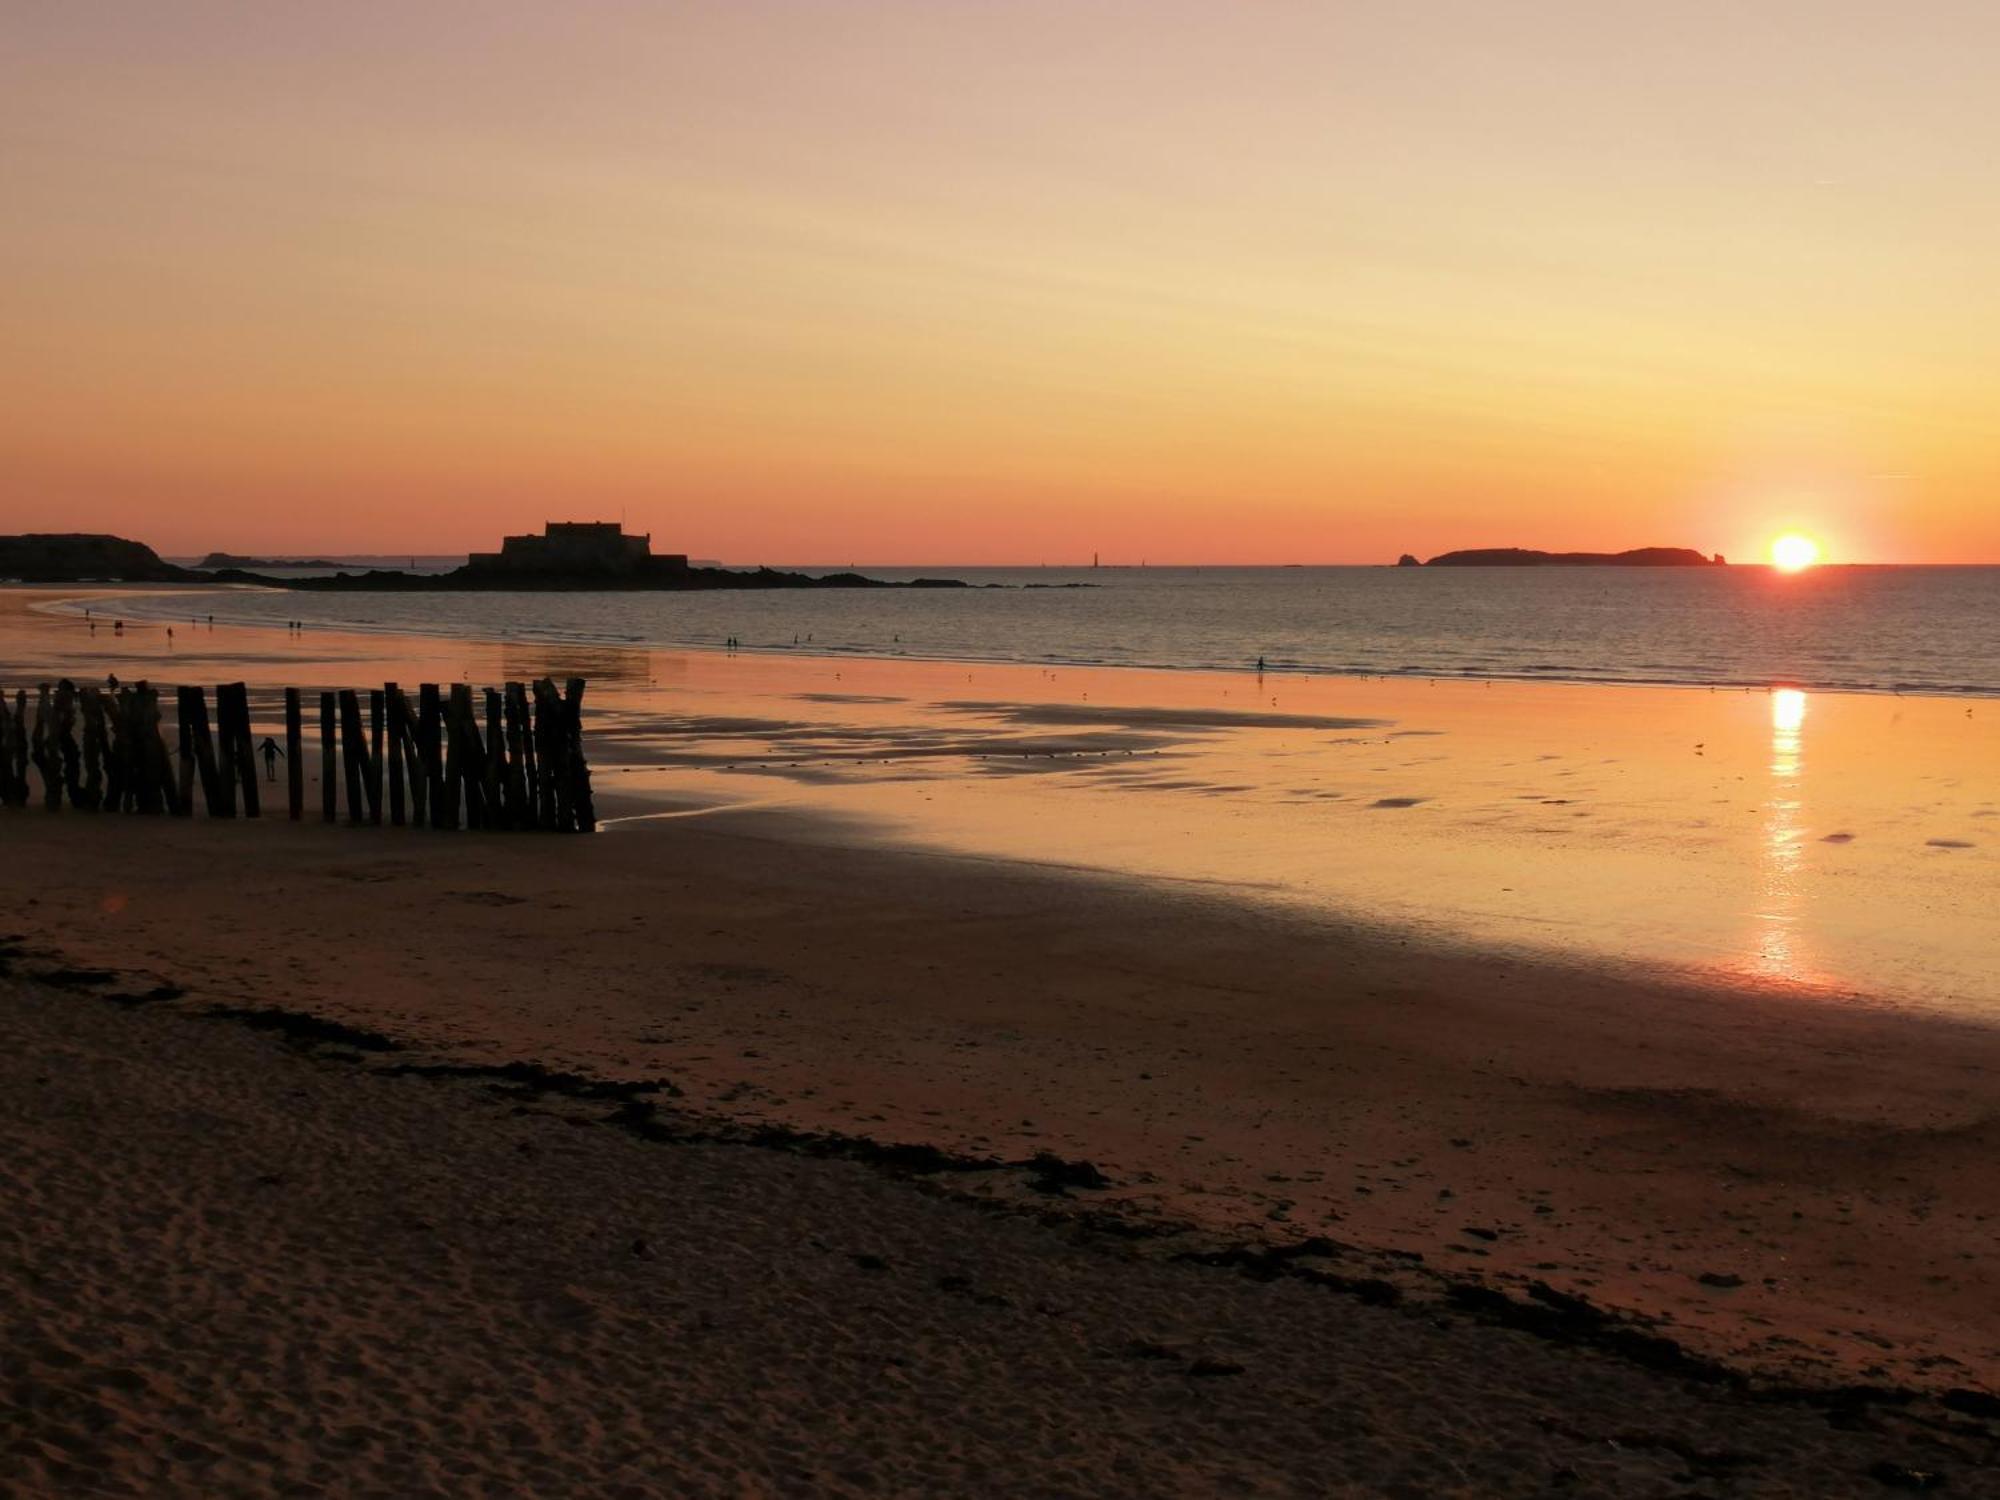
[392, 699]
[158, 761]
[225, 753]
[152, 777]
[583, 807]
[520, 761]
[13, 787]
[118, 787]
[406, 750]
[550, 802]
[430, 741]
[93, 747]
[42, 752]
[329, 770]
[295, 756]
[353, 755]
[496, 762]
[234, 726]
[198, 753]
[184, 730]
[376, 705]
[467, 759]
[67, 758]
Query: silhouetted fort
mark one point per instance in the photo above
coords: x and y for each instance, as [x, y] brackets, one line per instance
[577, 549]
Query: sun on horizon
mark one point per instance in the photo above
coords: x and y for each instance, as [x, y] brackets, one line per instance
[1793, 552]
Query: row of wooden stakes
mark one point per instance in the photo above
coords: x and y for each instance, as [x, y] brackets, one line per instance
[431, 764]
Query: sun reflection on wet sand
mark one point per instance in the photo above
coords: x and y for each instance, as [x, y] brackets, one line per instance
[1778, 944]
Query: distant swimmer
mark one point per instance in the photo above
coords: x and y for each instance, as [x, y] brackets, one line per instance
[271, 753]
[117, 627]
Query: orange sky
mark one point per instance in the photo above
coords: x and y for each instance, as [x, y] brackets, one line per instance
[967, 282]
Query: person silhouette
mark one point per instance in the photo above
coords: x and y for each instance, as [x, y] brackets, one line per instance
[270, 751]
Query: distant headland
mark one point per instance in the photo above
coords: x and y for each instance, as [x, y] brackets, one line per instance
[593, 556]
[231, 560]
[1522, 557]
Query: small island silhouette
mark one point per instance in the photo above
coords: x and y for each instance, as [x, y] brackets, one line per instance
[1523, 557]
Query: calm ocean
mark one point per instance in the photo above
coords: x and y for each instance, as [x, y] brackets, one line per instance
[1874, 629]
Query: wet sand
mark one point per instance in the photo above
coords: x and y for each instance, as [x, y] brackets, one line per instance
[1770, 1163]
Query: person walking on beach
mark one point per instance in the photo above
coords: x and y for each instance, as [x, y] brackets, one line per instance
[270, 751]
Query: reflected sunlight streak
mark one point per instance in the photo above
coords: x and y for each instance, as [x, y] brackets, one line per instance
[1777, 953]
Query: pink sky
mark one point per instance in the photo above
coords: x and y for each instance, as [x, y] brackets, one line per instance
[940, 282]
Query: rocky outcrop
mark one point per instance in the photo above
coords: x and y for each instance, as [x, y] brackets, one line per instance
[85, 557]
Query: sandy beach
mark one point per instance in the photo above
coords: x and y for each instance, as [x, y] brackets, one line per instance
[1767, 1168]
[272, 1271]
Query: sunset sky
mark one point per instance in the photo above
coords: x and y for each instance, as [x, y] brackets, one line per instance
[1005, 282]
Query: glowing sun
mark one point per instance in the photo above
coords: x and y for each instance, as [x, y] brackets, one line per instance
[1791, 552]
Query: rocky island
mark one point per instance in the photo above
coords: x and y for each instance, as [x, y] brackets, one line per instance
[1522, 557]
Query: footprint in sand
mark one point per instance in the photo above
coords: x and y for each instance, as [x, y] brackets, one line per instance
[1947, 844]
[1397, 801]
[1838, 838]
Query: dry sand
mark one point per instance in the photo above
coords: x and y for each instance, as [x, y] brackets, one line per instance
[238, 1265]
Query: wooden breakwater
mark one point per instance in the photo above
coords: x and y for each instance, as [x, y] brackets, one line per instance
[437, 763]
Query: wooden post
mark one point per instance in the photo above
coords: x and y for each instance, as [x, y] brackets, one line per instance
[184, 727]
[93, 746]
[64, 747]
[496, 763]
[117, 770]
[142, 737]
[225, 753]
[520, 761]
[467, 759]
[295, 756]
[583, 807]
[354, 754]
[443, 790]
[232, 718]
[403, 733]
[376, 704]
[549, 802]
[198, 751]
[13, 790]
[157, 766]
[42, 754]
[329, 769]
[392, 698]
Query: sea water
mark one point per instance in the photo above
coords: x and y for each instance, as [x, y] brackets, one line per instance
[1932, 630]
